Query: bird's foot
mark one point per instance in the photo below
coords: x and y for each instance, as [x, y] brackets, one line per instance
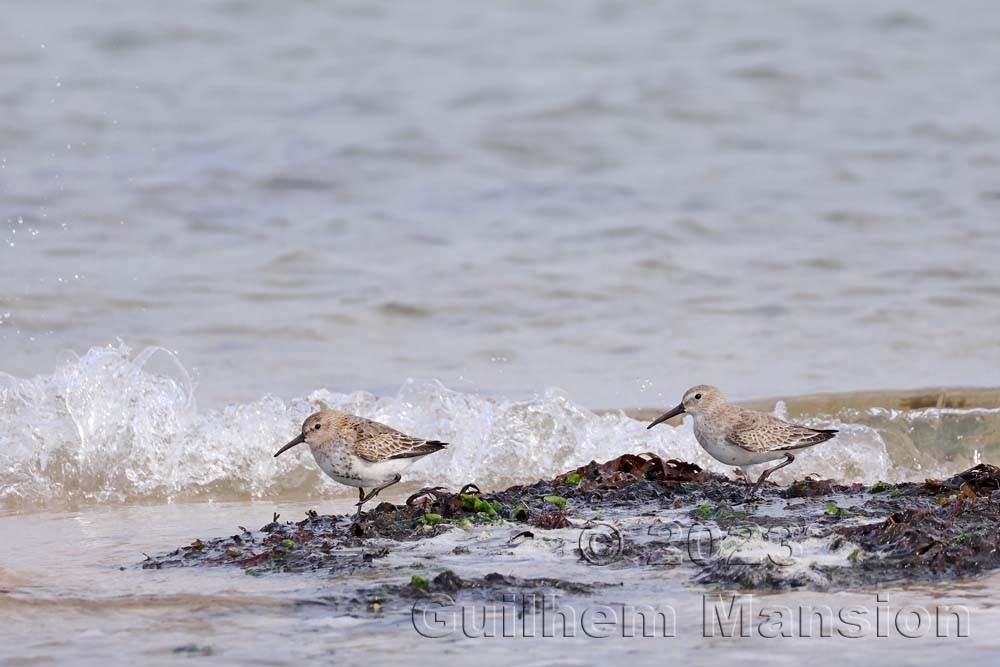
[749, 488]
[378, 489]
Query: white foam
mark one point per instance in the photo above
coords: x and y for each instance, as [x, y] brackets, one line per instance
[105, 427]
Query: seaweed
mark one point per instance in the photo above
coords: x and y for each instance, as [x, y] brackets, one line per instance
[930, 530]
[450, 583]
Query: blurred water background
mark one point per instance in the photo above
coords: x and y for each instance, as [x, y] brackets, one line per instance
[616, 199]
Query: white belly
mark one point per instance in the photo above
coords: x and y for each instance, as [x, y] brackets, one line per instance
[714, 442]
[355, 471]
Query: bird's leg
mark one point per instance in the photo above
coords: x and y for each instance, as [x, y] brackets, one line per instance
[361, 500]
[741, 474]
[374, 492]
[764, 475]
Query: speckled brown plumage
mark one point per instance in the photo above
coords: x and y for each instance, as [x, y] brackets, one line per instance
[360, 452]
[376, 442]
[737, 436]
[760, 432]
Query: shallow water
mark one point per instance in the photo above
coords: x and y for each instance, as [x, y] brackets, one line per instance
[70, 591]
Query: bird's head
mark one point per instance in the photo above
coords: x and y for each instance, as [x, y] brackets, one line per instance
[316, 429]
[699, 399]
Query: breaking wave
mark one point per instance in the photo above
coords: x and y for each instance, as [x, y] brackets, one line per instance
[106, 427]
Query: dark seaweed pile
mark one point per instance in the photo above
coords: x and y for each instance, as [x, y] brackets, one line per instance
[933, 530]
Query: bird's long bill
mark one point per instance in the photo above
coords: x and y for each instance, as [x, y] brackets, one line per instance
[299, 439]
[667, 415]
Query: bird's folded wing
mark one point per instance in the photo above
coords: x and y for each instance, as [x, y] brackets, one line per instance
[773, 434]
[808, 438]
[377, 442]
[395, 446]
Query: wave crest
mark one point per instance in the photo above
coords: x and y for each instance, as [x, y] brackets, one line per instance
[105, 427]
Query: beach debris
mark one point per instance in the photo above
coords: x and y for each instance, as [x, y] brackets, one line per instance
[911, 531]
[447, 582]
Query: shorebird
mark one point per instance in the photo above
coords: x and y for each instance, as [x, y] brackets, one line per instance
[740, 437]
[360, 452]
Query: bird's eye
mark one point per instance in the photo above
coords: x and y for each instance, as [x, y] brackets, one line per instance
[317, 427]
[697, 396]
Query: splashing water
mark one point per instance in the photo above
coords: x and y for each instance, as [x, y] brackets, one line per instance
[106, 428]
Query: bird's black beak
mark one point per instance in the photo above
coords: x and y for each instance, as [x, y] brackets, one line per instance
[666, 415]
[299, 439]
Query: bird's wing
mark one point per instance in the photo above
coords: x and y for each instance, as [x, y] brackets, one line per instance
[759, 432]
[378, 442]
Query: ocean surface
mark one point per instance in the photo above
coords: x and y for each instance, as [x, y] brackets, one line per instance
[619, 200]
[501, 225]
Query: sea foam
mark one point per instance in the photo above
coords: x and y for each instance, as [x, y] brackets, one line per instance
[106, 427]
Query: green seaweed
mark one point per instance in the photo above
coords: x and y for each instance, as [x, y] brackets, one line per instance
[721, 514]
[471, 503]
[879, 487]
[558, 501]
[194, 649]
[420, 583]
[833, 510]
[431, 520]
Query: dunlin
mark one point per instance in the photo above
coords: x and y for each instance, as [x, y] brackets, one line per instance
[360, 452]
[739, 437]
